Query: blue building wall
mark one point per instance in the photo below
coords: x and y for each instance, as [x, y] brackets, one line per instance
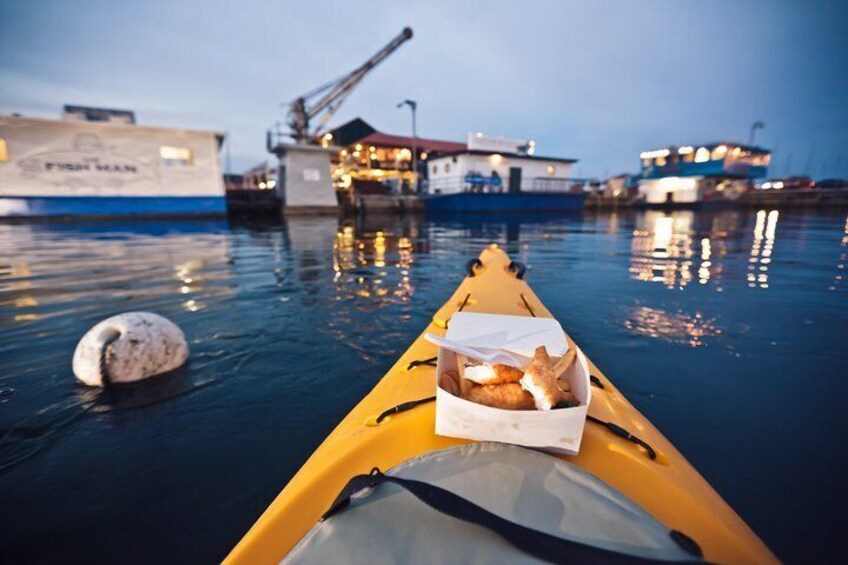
[719, 167]
[30, 206]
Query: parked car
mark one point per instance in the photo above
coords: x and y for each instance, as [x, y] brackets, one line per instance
[789, 183]
[798, 183]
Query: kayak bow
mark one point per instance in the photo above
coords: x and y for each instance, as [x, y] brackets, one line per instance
[395, 422]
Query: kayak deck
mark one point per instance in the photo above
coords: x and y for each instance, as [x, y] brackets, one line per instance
[667, 487]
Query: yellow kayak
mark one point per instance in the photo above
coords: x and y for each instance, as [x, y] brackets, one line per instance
[620, 446]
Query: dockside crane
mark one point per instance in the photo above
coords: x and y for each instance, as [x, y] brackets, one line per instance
[320, 104]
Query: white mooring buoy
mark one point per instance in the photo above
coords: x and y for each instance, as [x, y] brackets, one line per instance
[129, 347]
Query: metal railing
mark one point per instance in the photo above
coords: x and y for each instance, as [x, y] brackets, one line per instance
[479, 183]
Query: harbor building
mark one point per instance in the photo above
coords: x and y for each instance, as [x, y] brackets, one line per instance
[694, 174]
[97, 161]
[372, 162]
[498, 164]
[499, 174]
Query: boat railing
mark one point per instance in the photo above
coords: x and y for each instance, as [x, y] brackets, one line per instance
[496, 184]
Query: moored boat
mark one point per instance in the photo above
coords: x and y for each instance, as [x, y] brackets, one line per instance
[98, 162]
[622, 456]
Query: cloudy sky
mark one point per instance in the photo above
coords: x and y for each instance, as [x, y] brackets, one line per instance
[597, 81]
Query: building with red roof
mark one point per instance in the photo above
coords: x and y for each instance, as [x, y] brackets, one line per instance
[370, 161]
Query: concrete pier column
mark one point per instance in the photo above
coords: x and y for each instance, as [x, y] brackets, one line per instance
[305, 185]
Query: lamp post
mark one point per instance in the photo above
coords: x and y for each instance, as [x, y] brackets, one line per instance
[413, 105]
[754, 127]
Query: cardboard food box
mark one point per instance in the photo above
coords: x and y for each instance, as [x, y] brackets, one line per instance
[559, 430]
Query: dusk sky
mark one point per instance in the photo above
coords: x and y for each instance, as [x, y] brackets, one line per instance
[596, 81]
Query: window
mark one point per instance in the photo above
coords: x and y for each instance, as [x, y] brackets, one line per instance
[435, 169]
[176, 156]
[4, 151]
[719, 152]
[551, 170]
[447, 167]
[702, 155]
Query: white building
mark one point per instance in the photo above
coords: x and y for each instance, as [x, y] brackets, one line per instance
[692, 174]
[109, 166]
[497, 164]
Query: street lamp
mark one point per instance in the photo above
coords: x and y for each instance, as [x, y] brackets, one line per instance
[413, 105]
[754, 127]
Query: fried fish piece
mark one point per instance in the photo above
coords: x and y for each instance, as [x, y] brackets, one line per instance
[498, 373]
[507, 396]
[465, 386]
[540, 380]
[449, 381]
[564, 363]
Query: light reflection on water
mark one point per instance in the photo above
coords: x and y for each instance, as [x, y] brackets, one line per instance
[291, 323]
[677, 249]
[674, 327]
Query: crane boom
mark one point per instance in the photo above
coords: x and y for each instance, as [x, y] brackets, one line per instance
[302, 112]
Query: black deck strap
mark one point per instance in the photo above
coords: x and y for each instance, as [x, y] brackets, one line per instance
[686, 543]
[596, 381]
[527, 305]
[464, 302]
[540, 545]
[471, 265]
[461, 306]
[403, 407]
[431, 361]
[518, 268]
[622, 433]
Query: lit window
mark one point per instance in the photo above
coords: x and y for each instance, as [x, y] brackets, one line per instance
[702, 155]
[719, 152]
[661, 161]
[4, 151]
[496, 159]
[551, 170]
[175, 156]
[423, 155]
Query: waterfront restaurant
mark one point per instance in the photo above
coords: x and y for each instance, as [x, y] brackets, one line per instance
[373, 162]
[499, 164]
[692, 174]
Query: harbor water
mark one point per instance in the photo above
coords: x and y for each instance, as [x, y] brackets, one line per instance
[727, 330]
